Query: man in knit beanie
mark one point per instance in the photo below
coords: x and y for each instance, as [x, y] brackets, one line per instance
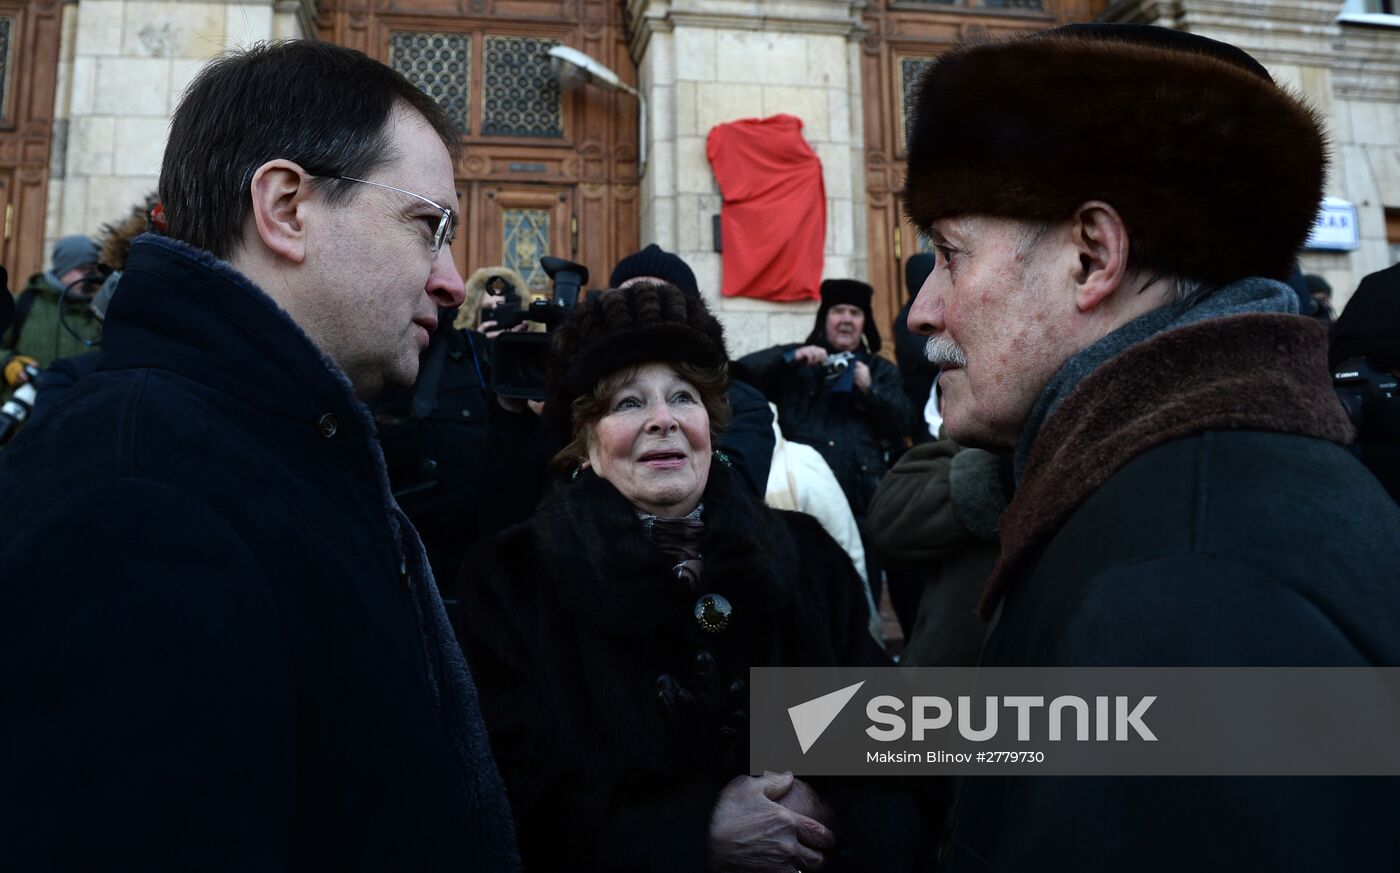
[48, 324]
[1113, 207]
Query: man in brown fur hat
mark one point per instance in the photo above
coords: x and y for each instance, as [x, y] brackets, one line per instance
[1112, 206]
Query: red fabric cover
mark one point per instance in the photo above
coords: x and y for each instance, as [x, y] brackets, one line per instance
[773, 224]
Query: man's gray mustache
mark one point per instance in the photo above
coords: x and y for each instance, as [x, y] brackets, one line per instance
[942, 350]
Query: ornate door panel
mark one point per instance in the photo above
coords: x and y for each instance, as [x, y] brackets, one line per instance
[29, 33]
[519, 225]
[536, 157]
[905, 35]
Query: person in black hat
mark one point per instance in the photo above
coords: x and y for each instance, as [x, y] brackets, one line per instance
[1364, 353]
[1108, 308]
[611, 637]
[915, 369]
[51, 318]
[837, 395]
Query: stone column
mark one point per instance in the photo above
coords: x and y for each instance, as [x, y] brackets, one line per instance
[705, 62]
[1349, 72]
[123, 66]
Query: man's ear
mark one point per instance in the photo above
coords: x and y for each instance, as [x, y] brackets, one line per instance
[280, 191]
[1100, 239]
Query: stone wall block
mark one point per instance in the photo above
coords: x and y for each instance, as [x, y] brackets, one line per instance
[695, 54]
[173, 30]
[83, 95]
[826, 61]
[91, 145]
[246, 24]
[140, 146]
[1354, 167]
[133, 86]
[693, 173]
[74, 208]
[660, 59]
[706, 265]
[838, 113]
[836, 168]
[661, 167]
[111, 197]
[662, 112]
[763, 56]
[99, 28]
[1384, 162]
[720, 103]
[808, 104]
[663, 224]
[840, 235]
[1375, 123]
[791, 326]
[182, 73]
[744, 332]
[839, 267]
[766, 307]
[53, 211]
[286, 25]
[685, 109]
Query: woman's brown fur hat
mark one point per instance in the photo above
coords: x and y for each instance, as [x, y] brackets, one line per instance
[1216, 170]
[617, 328]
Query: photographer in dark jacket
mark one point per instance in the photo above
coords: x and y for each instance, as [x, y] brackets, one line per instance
[1365, 341]
[836, 394]
[916, 371]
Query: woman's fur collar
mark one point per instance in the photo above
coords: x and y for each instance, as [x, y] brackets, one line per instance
[610, 574]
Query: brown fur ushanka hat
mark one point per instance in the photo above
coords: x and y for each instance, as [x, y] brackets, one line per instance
[1216, 171]
[613, 329]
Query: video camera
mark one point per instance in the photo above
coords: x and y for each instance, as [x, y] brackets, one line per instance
[16, 411]
[1363, 390]
[518, 359]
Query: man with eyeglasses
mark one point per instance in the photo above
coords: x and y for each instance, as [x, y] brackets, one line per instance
[221, 645]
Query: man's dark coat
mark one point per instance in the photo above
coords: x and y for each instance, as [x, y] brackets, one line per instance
[1155, 526]
[220, 645]
[572, 621]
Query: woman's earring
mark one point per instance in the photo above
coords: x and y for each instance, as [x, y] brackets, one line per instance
[578, 471]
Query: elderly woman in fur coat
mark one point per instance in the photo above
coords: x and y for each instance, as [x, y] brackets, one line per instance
[611, 636]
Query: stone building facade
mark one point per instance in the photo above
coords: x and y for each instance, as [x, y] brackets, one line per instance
[122, 67]
[568, 179]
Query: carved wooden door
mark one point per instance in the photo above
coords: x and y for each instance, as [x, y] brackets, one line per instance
[29, 33]
[521, 224]
[544, 171]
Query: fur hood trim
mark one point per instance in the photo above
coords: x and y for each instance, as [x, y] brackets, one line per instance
[467, 314]
[1215, 169]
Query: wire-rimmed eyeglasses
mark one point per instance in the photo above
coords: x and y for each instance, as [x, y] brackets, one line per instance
[442, 234]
